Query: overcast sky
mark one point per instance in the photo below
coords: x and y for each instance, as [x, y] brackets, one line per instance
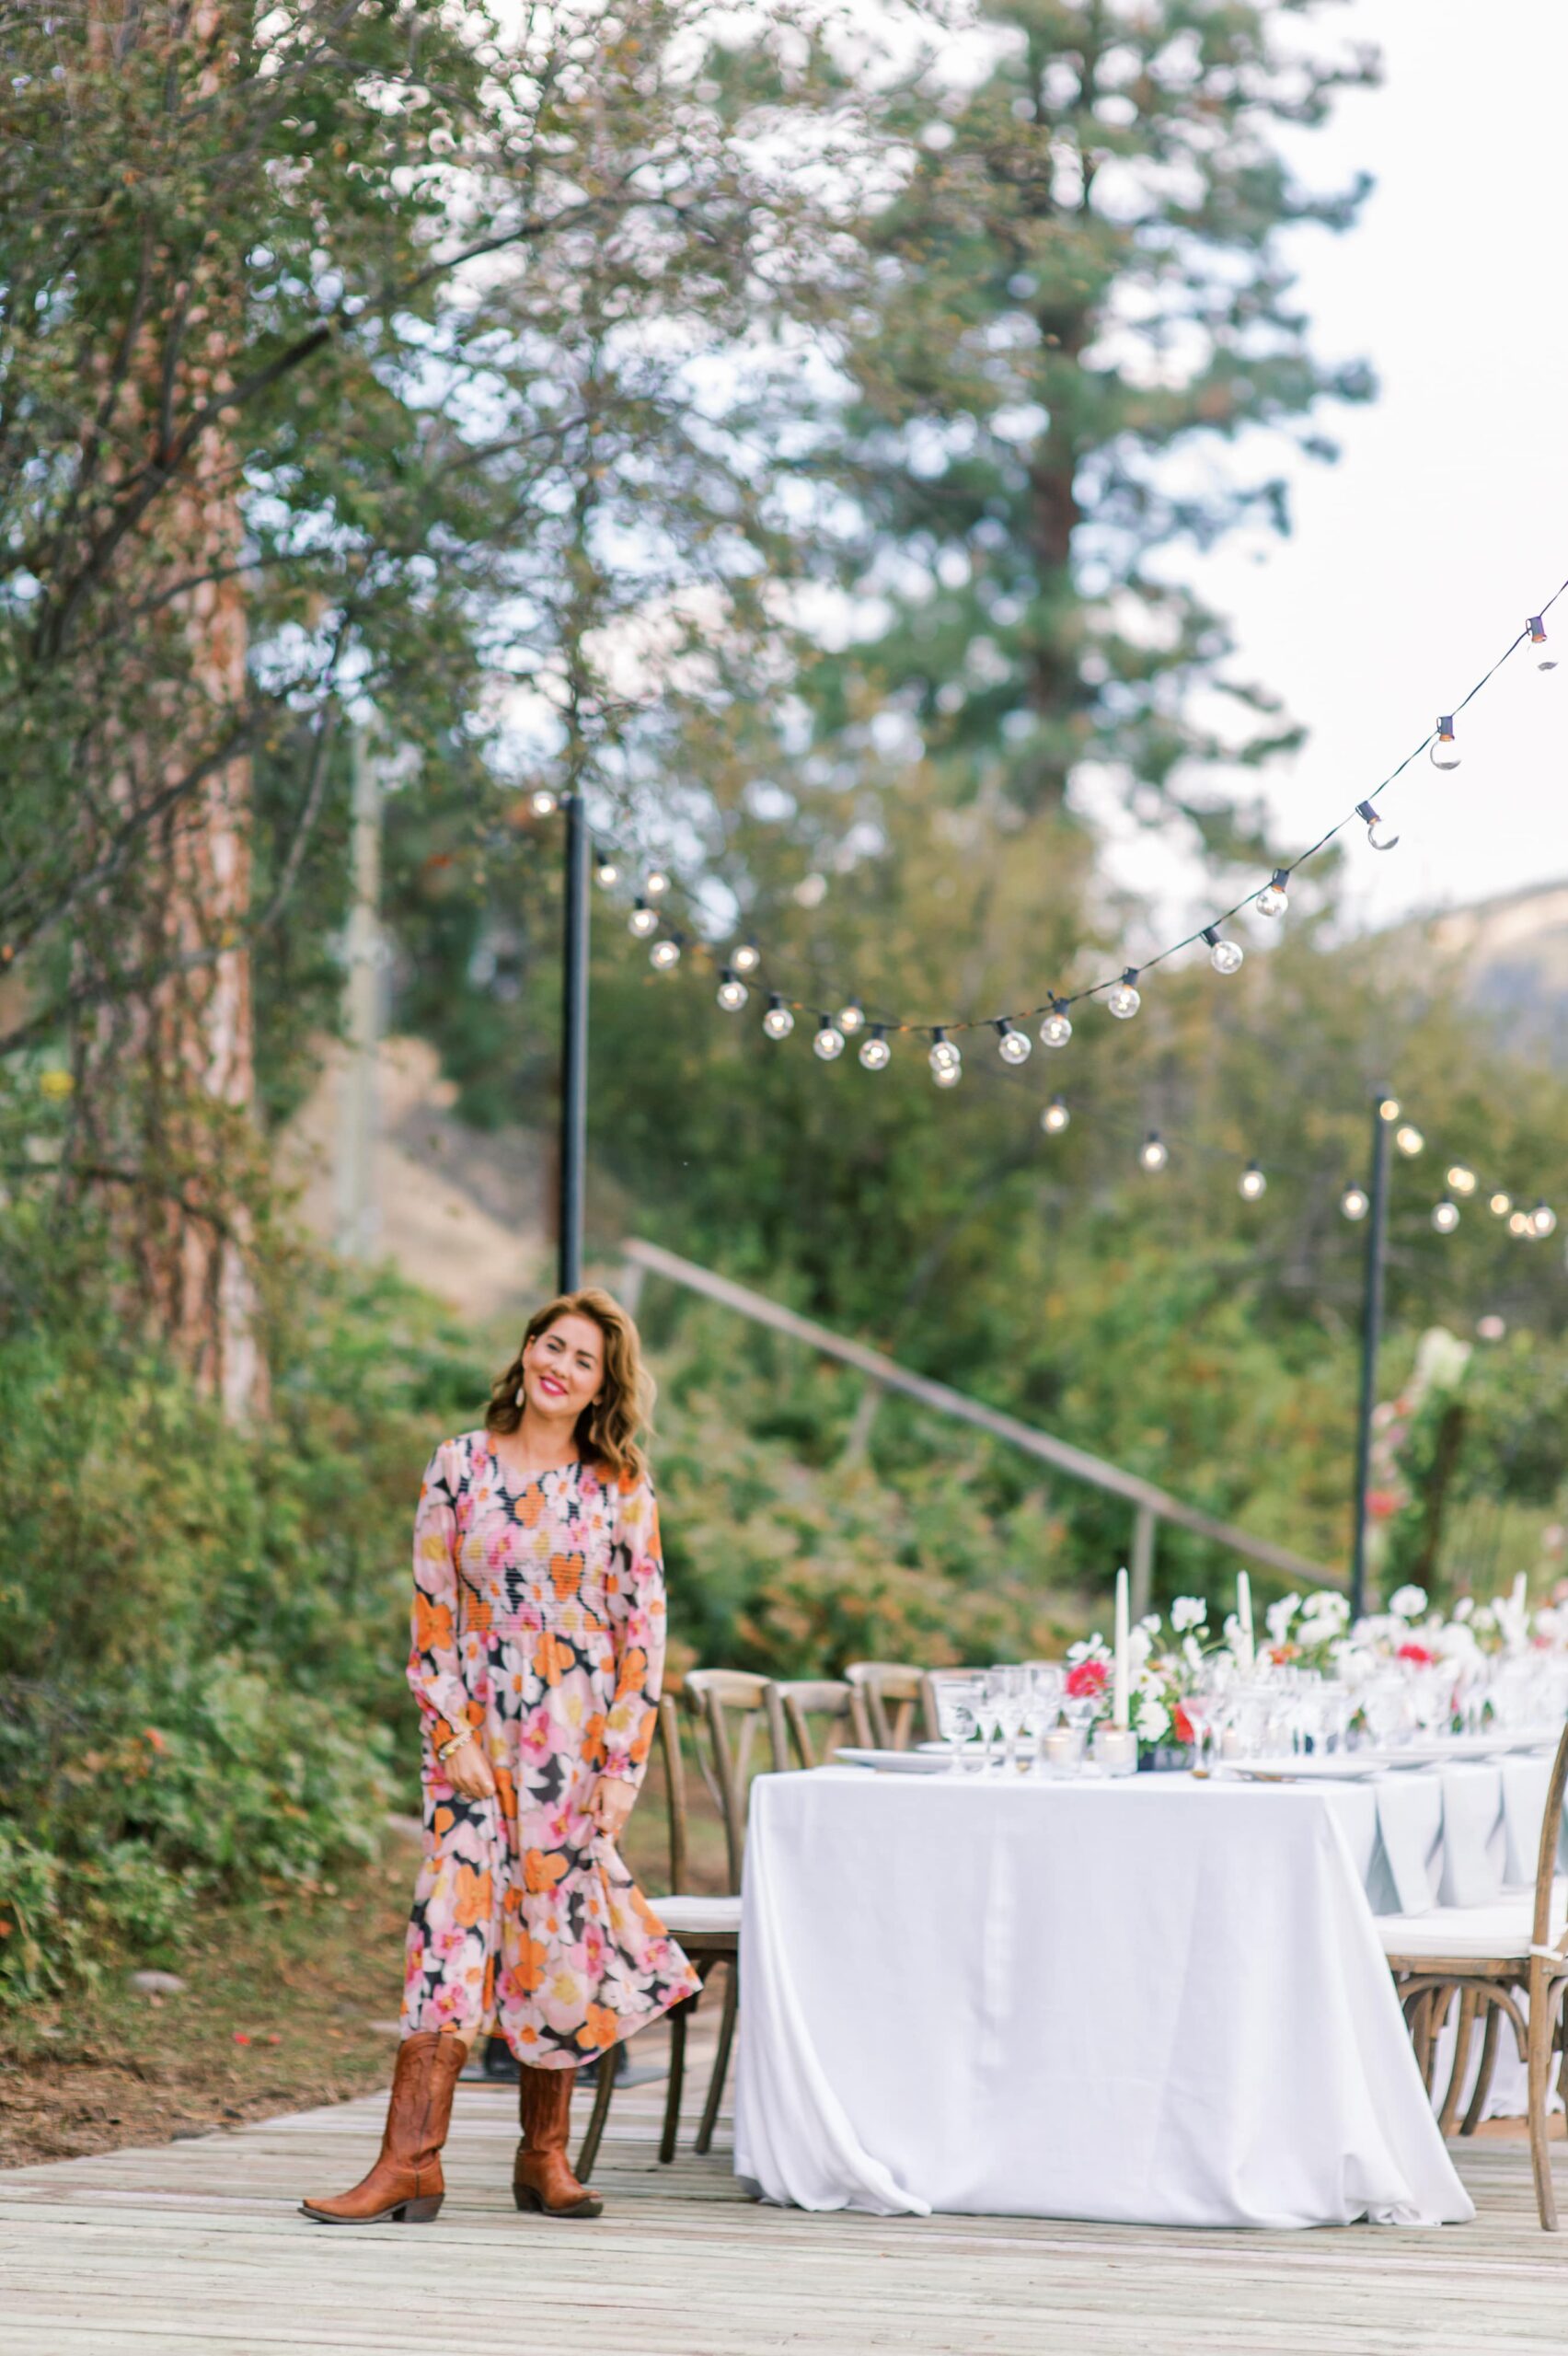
[1417, 557]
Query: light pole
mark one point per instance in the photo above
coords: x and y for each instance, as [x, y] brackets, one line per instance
[573, 1044]
[1371, 1333]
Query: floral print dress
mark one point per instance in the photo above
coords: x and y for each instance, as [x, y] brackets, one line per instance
[538, 1621]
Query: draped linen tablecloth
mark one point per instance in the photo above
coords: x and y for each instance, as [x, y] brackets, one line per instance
[1147, 2002]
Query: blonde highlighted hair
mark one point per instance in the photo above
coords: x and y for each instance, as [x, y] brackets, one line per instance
[607, 1430]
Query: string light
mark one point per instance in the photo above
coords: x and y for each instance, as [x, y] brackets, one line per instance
[851, 1019]
[655, 883]
[1056, 1029]
[1122, 998]
[1055, 1118]
[642, 919]
[947, 1064]
[1536, 628]
[875, 1053]
[1500, 1205]
[1380, 833]
[543, 803]
[1520, 1223]
[1275, 897]
[1408, 1138]
[1442, 753]
[1459, 1179]
[607, 873]
[1154, 1153]
[1251, 1185]
[777, 1022]
[1444, 1216]
[732, 994]
[1389, 1110]
[1014, 1046]
[1355, 1202]
[664, 953]
[1225, 956]
[829, 1041]
[745, 957]
[1543, 1219]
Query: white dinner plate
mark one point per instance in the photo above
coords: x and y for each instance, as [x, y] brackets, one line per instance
[895, 1762]
[1301, 1770]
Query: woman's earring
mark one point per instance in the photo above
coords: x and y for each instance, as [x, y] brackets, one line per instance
[519, 1401]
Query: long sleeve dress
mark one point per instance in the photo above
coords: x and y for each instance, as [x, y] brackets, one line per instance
[538, 1621]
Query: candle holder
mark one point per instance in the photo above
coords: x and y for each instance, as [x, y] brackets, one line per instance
[1115, 1750]
[1063, 1749]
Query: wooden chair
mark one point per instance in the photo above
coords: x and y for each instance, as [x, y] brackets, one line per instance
[1489, 1957]
[793, 1702]
[709, 1930]
[895, 1685]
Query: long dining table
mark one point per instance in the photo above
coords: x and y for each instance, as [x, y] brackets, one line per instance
[1147, 2000]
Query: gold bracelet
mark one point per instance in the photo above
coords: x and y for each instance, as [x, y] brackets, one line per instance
[455, 1744]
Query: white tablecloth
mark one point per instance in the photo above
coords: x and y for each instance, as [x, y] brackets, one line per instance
[1147, 2001]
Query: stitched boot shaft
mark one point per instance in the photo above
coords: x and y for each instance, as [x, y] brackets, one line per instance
[541, 2174]
[406, 2185]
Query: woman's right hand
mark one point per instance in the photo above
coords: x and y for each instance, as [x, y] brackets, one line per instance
[469, 1772]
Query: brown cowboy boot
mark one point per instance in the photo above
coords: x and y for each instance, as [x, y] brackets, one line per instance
[406, 2184]
[541, 2174]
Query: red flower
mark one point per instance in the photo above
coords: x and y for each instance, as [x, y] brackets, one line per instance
[1417, 1653]
[1088, 1678]
[1381, 1503]
[1182, 1726]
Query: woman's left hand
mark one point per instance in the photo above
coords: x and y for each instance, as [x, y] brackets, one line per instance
[613, 1802]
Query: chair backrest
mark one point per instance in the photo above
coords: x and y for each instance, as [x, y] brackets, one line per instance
[724, 1709]
[1551, 1835]
[897, 1703]
[793, 1702]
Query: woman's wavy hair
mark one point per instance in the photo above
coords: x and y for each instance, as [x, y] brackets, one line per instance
[607, 1430]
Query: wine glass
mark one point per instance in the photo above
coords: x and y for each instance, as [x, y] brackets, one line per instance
[956, 1718]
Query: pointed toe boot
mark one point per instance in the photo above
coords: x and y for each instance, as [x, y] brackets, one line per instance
[541, 2174]
[406, 2186]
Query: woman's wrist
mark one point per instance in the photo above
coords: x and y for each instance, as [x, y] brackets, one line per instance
[446, 1749]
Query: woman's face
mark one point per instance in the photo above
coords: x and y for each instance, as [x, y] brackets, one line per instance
[563, 1368]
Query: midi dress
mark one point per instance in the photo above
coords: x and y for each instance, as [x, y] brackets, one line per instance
[538, 1621]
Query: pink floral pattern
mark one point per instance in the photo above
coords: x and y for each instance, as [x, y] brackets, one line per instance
[538, 1621]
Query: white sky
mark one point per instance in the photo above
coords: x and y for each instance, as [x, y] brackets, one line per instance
[1417, 557]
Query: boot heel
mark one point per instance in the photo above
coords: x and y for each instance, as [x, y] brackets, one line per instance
[527, 2198]
[419, 2212]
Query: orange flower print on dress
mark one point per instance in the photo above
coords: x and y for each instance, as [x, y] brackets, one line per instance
[471, 1904]
[432, 1625]
[552, 1657]
[599, 2030]
[566, 1576]
[541, 1871]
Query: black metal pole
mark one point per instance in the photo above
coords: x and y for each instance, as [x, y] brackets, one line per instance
[574, 1044]
[1371, 1334]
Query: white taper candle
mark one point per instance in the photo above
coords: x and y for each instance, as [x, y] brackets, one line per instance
[1244, 1619]
[1123, 1665]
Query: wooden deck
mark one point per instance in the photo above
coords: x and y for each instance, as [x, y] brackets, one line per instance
[197, 2246]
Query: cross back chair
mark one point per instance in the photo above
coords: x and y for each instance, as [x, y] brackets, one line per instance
[1490, 1957]
[897, 1705]
[793, 1702]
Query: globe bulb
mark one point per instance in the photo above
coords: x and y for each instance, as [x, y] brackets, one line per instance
[777, 1022]
[607, 873]
[664, 954]
[655, 882]
[828, 1043]
[1500, 1204]
[1014, 1046]
[1355, 1202]
[1459, 1180]
[733, 995]
[875, 1053]
[1056, 1030]
[944, 1056]
[1055, 1118]
[1122, 998]
[851, 1019]
[1389, 1110]
[1543, 1219]
[1442, 753]
[1251, 1184]
[1380, 833]
[543, 803]
[1225, 956]
[948, 1075]
[1538, 639]
[643, 920]
[1520, 1223]
[1444, 1216]
[745, 957]
[1275, 897]
[1154, 1153]
[1408, 1138]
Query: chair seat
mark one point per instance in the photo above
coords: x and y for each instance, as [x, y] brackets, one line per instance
[1500, 1932]
[698, 1916]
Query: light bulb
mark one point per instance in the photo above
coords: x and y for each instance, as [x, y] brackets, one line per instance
[1459, 1180]
[949, 1076]
[1543, 1219]
[1444, 1216]
[1538, 639]
[1225, 956]
[1520, 1223]
[1408, 1138]
[944, 1056]
[1056, 1030]
[1275, 897]
[829, 1041]
[1500, 1204]
[1055, 1118]
[607, 873]
[777, 1022]
[875, 1053]
[851, 1019]
[1251, 1183]
[733, 995]
[1389, 1110]
[655, 882]
[1442, 753]
[745, 957]
[1122, 998]
[1154, 1153]
[544, 804]
[1014, 1046]
[664, 954]
[1355, 1202]
[643, 920]
[1379, 834]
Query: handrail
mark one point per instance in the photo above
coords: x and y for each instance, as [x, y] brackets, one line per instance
[1151, 1501]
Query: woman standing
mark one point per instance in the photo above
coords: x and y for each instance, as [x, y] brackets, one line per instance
[539, 1645]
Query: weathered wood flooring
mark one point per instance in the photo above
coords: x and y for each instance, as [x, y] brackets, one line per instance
[197, 2246]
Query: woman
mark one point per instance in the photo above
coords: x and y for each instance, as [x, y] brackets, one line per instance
[539, 1644]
